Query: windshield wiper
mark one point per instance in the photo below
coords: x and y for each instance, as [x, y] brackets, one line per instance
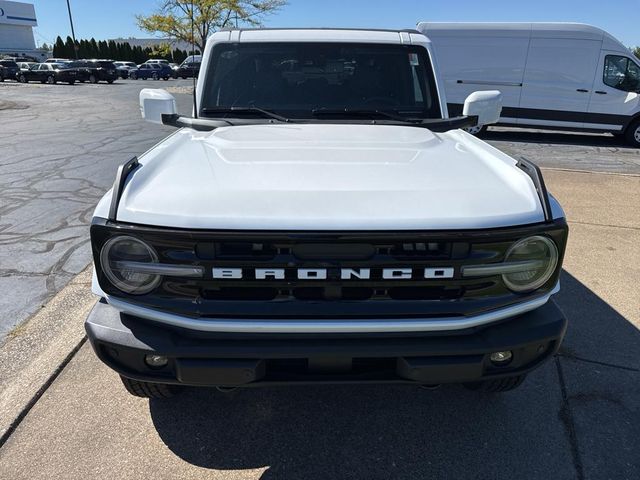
[362, 112]
[245, 110]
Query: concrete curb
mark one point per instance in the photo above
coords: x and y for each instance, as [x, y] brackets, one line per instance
[35, 352]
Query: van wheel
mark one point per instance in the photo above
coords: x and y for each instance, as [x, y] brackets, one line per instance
[477, 130]
[498, 385]
[149, 390]
[632, 133]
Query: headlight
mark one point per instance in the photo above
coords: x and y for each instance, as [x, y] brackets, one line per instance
[119, 255]
[539, 255]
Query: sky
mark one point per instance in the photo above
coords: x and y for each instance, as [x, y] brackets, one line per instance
[108, 19]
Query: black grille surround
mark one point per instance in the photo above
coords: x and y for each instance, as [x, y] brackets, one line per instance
[250, 298]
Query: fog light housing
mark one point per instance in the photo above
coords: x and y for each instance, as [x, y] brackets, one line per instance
[156, 361]
[501, 359]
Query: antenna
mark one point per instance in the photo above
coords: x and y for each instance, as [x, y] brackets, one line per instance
[193, 55]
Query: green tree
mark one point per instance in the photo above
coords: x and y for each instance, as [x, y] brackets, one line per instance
[69, 48]
[636, 51]
[173, 17]
[162, 50]
[93, 49]
[59, 48]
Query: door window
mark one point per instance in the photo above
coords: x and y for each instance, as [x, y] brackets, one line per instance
[621, 73]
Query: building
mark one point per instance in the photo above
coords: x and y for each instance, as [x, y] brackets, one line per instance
[16, 31]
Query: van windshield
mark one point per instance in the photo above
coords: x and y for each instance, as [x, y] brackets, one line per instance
[300, 79]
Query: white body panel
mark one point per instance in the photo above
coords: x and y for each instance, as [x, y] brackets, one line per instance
[328, 177]
[548, 73]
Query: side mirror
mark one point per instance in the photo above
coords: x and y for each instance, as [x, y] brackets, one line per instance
[487, 106]
[154, 102]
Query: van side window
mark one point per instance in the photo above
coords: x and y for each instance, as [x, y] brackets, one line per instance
[621, 73]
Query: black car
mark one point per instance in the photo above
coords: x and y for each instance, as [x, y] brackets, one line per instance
[152, 70]
[188, 70]
[48, 73]
[100, 71]
[8, 70]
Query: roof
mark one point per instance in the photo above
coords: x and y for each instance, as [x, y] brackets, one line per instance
[535, 29]
[318, 35]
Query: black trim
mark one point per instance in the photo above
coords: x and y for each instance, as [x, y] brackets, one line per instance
[479, 82]
[486, 234]
[121, 342]
[555, 115]
[118, 185]
[292, 298]
[208, 124]
[534, 172]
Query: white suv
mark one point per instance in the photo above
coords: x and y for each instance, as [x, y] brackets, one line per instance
[321, 218]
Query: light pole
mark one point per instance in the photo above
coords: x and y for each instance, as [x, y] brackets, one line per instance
[73, 33]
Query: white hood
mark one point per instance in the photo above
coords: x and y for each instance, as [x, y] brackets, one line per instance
[328, 177]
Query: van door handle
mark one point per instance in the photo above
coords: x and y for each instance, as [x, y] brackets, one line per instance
[582, 90]
[600, 92]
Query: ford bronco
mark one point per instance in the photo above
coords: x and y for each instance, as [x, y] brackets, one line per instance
[320, 218]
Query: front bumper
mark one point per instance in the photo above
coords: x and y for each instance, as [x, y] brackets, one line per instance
[122, 342]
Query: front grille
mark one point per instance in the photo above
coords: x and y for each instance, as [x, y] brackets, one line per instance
[286, 295]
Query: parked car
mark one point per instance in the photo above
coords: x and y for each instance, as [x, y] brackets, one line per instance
[156, 71]
[123, 68]
[56, 60]
[26, 65]
[48, 73]
[8, 70]
[188, 70]
[101, 71]
[399, 249]
[81, 68]
[158, 61]
[551, 75]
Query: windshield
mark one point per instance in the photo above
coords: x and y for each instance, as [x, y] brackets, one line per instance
[296, 79]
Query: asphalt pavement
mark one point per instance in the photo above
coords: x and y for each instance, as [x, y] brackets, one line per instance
[60, 146]
[577, 417]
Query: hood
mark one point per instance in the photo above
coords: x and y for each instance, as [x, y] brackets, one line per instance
[328, 177]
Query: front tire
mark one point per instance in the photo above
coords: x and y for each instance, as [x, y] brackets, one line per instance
[109, 82]
[477, 130]
[93, 79]
[632, 133]
[149, 390]
[133, 76]
[498, 385]
[22, 79]
[72, 82]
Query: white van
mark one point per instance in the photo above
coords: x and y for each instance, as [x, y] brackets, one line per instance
[551, 75]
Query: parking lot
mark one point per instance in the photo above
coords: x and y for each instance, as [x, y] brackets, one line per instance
[578, 417]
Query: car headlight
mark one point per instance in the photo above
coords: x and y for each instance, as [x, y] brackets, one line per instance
[120, 259]
[537, 257]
